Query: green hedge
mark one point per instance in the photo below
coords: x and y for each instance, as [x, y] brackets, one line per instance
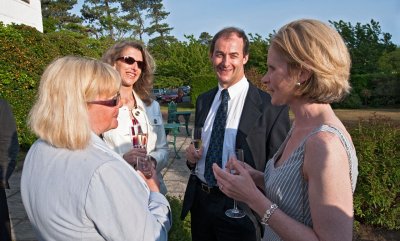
[25, 53]
[201, 84]
[377, 89]
[377, 196]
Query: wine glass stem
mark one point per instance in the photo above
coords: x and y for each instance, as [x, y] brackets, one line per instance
[234, 204]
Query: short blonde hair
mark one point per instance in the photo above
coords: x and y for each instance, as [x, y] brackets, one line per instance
[60, 115]
[144, 84]
[313, 45]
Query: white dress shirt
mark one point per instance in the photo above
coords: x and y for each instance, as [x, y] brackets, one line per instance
[237, 96]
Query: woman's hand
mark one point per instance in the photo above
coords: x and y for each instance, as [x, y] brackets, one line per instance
[239, 186]
[152, 180]
[132, 155]
[257, 176]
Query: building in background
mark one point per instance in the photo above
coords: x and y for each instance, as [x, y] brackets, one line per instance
[28, 12]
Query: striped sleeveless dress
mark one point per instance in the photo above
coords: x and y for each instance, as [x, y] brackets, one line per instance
[286, 187]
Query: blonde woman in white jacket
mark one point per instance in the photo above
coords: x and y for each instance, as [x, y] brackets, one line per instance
[136, 67]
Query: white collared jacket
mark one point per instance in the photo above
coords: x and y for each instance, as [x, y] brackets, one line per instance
[150, 118]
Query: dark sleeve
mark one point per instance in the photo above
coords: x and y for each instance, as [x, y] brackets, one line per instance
[278, 132]
[9, 146]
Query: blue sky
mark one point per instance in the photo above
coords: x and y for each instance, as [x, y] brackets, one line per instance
[264, 16]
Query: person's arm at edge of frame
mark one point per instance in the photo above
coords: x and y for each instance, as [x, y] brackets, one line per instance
[9, 145]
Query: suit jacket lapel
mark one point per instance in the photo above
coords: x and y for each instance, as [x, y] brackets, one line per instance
[251, 111]
[204, 107]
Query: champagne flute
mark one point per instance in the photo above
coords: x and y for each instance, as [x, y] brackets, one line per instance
[234, 212]
[144, 165]
[142, 138]
[196, 137]
[134, 133]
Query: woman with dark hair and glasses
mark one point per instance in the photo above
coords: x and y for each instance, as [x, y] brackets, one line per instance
[139, 112]
[72, 181]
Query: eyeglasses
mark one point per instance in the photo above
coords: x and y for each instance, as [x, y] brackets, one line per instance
[129, 60]
[110, 103]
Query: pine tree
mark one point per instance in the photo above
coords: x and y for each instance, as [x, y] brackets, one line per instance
[103, 18]
[56, 16]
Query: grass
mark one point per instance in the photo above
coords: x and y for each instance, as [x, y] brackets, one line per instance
[347, 116]
[187, 106]
[354, 115]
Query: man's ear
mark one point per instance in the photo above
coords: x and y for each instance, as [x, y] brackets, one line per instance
[245, 59]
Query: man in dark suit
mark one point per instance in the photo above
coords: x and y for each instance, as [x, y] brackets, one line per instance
[250, 123]
[8, 153]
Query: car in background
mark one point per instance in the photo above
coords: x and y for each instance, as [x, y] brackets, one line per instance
[157, 94]
[169, 95]
[175, 95]
[186, 89]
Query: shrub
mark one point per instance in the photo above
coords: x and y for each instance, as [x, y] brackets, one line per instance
[377, 196]
[201, 84]
[352, 101]
[377, 89]
[25, 54]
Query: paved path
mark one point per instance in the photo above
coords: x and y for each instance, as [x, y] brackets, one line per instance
[175, 177]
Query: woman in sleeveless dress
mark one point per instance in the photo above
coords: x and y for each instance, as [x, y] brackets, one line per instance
[307, 187]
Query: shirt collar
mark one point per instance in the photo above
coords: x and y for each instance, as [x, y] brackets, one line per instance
[139, 102]
[235, 89]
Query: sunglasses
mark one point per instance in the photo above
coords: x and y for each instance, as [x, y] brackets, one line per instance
[129, 60]
[110, 103]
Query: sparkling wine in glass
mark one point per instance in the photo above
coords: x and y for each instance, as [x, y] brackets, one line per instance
[234, 212]
[196, 137]
[134, 137]
[141, 138]
[144, 165]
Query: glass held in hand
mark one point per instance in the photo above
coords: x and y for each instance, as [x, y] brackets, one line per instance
[142, 140]
[234, 212]
[139, 138]
[196, 137]
[144, 164]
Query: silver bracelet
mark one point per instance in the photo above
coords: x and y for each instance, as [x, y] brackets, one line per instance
[268, 214]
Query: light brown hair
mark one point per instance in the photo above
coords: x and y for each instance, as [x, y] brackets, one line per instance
[144, 84]
[315, 46]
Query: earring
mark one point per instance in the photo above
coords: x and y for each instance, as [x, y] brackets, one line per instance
[298, 84]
